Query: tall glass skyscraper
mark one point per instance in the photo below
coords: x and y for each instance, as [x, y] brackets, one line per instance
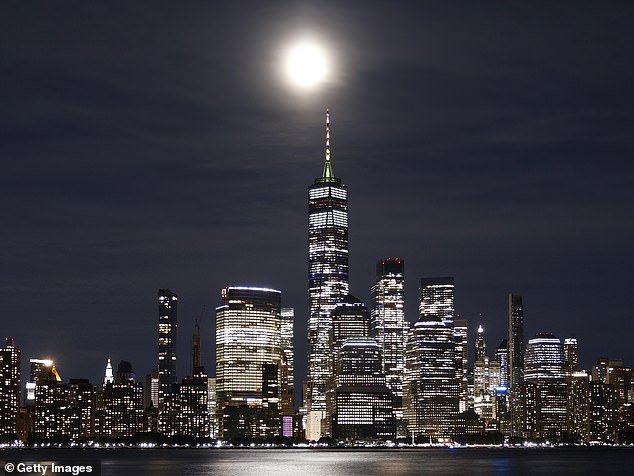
[516, 339]
[545, 367]
[327, 281]
[248, 352]
[389, 326]
[431, 392]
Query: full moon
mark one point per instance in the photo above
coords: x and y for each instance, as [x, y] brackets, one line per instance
[306, 65]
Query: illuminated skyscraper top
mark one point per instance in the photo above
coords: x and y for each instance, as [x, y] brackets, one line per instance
[109, 377]
[327, 279]
[437, 299]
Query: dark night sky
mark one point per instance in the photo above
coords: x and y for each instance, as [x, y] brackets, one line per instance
[156, 144]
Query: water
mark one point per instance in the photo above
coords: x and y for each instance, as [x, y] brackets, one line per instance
[320, 462]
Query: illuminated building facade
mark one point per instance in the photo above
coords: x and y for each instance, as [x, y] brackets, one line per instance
[431, 397]
[431, 391]
[579, 406]
[81, 409]
[119, 412]
[49, 398]
[168, 391]
[350, 319]
[571, 353]
[287, 370]
[486, 379]
[544, 366]
[193, 419]
[516, 339]
[109, 375]
[389, 326]
[9, 388]
[437, 299]
[327, 282]
[248, 339]
[42, 370]
[151, 389]
[50, 412]
[524, 399]
[460, 336]
[502, 356]
[603, 412]
[363, 403]
[620, 377]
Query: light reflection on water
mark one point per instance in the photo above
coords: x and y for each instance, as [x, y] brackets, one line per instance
[252, 462]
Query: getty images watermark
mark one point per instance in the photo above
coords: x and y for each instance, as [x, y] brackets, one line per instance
[52, 467]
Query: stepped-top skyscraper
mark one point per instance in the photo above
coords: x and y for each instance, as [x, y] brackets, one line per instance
[327, 280]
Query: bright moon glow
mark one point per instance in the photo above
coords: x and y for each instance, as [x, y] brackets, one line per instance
[306, 65]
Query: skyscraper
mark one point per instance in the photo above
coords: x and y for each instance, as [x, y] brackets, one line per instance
[502, 356]
[287, 370]
[431, 393]
[389, 326]
[516, 339]
[571, 352]
[167, 307]
[327, 280]
[460, 336]
[350, 318]
[248, 342]
[168, 392]
[545, 367]
[9, 388]
[362, 403]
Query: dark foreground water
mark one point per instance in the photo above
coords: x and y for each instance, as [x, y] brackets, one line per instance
[467, 461]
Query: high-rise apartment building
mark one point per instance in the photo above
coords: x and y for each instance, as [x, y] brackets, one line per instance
[9, 388]
[168, 323]
[248, 342]
[389, 326]
[119, 411]
[516, 339]
[327, 281]
[168, 380]
[81, 409]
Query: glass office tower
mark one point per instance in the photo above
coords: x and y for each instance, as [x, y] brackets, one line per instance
[327, 281]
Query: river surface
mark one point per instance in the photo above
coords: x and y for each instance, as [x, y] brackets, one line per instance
[322, 462]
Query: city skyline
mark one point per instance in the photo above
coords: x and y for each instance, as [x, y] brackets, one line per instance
[504, 170]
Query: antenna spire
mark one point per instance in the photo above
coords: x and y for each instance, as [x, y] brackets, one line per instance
[328, 174]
